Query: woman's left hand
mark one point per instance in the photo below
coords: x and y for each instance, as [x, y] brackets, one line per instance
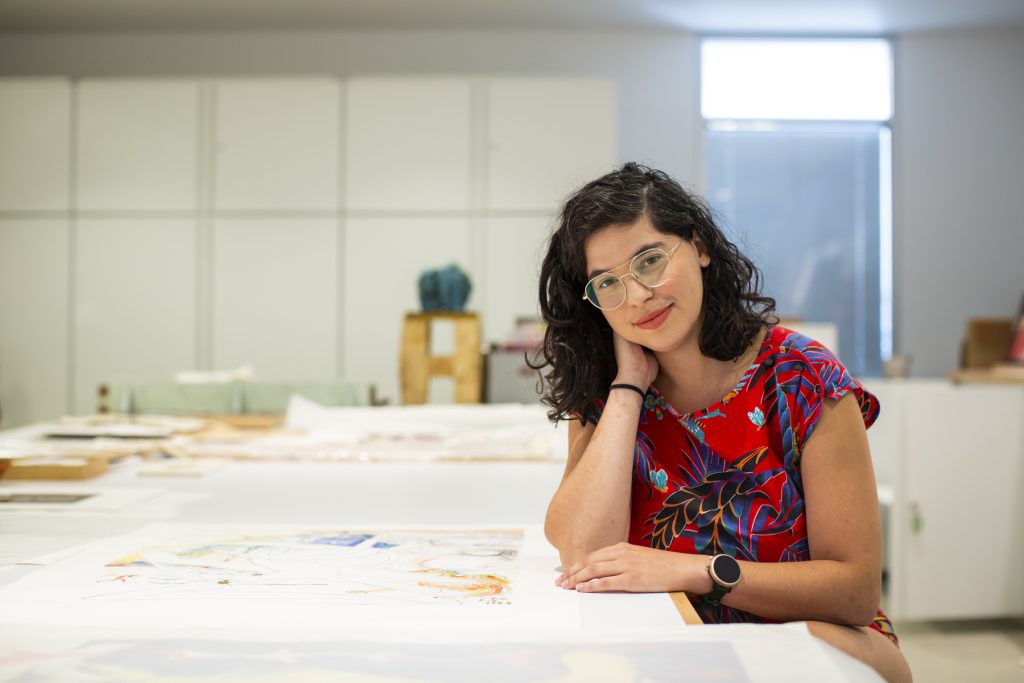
[635, 569]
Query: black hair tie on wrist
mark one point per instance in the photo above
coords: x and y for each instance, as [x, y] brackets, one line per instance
[631, 387]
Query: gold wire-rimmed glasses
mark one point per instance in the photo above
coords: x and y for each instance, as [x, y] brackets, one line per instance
[607, 291]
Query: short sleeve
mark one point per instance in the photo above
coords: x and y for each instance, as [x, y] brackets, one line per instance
[815, 374]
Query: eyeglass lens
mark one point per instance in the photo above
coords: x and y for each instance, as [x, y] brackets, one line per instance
[609, 291]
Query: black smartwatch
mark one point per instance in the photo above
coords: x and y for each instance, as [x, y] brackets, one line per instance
[725, 574]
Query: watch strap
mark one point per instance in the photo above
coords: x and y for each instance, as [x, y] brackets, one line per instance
[718, 589]
[715, 595]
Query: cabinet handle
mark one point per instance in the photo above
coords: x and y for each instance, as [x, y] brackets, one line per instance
[916, 518]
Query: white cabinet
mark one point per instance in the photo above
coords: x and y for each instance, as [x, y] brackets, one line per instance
[383, 260]
[137, 145]
[135, 302]
[35, 134]
[513, 250]
[547, 137]
[956, 526]
[276, 144]
[276, 221]
[408, 144]
[275, 289]
[33, 320]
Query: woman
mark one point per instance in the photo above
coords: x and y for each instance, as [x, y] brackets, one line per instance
[710, 451]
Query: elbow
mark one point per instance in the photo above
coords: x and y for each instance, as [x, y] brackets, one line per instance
[864, 607]
[553, 530]
[863, 615]
[556, 536]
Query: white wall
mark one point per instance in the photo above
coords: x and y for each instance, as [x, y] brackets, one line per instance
[957, 139]
[655, 71]
[958, 157]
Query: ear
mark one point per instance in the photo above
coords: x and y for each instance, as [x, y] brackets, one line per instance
[702, 251]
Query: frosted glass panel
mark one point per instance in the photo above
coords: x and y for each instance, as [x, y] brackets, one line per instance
[135, 302]
[35, 123]
[547, 137]
[138, 144]
[33, 320]
[277, 144]
[805, 205]
[408, 144]
[275, 297]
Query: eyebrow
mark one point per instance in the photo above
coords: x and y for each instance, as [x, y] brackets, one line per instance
[597, 271]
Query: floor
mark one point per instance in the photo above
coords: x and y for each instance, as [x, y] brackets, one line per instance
[964, 651]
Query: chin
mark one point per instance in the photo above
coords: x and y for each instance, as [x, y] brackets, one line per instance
[661, 341]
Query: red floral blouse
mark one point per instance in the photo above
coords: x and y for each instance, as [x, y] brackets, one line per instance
[726, 479]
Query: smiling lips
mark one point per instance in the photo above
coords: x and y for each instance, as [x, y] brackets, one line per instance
[654, 320]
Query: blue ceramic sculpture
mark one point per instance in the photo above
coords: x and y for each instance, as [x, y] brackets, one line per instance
[445, 289]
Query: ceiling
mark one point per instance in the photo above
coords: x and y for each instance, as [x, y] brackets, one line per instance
[705, 16]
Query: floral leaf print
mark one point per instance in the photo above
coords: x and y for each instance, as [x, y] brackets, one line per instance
[644, 463]
[773, 398]
[699, 461]
[748, 461]
[693, 428]
[747, 378]
[783, 509]
[719, 509]
[659, 479]
[756, 417]
[653, 405]
[798, 551]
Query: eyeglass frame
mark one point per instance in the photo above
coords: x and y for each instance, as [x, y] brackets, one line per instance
[629, 272]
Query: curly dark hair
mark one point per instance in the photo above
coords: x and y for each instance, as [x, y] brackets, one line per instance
[578, 340]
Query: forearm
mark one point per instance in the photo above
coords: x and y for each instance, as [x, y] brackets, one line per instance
[822, 590]
[819, 590]
[591, 508]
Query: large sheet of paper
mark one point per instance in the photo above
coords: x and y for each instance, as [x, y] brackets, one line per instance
[728, 654]
[404, 433]
[194, 576]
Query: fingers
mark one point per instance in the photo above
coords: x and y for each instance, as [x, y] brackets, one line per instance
[600, 555]
[604, 584]
[596, 570]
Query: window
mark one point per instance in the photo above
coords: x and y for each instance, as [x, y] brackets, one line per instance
[797, 167]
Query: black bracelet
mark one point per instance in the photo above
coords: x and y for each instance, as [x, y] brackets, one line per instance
[631, 387]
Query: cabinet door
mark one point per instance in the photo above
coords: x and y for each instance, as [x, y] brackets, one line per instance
[138, 145]
[408, 144]
[547, 137]
[35, 133]
[383, 261]
[275, 296]
[135, 302]
[964, 552]
[33, 320]
[513, 251]
[276, 144]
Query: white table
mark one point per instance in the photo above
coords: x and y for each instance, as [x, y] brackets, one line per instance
[473, 495]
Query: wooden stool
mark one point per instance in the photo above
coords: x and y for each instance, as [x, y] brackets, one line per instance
[418, 366]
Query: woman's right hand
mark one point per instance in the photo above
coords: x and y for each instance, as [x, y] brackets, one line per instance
[636, 364]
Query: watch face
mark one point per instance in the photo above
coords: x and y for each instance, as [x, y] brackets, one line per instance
[726, 569]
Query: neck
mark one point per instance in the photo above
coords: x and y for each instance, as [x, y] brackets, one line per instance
[689, 380]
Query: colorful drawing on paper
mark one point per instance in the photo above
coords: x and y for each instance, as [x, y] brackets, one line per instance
[187, 660]
[330, 566]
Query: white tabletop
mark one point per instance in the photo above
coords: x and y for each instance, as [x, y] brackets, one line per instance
[344, 495]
